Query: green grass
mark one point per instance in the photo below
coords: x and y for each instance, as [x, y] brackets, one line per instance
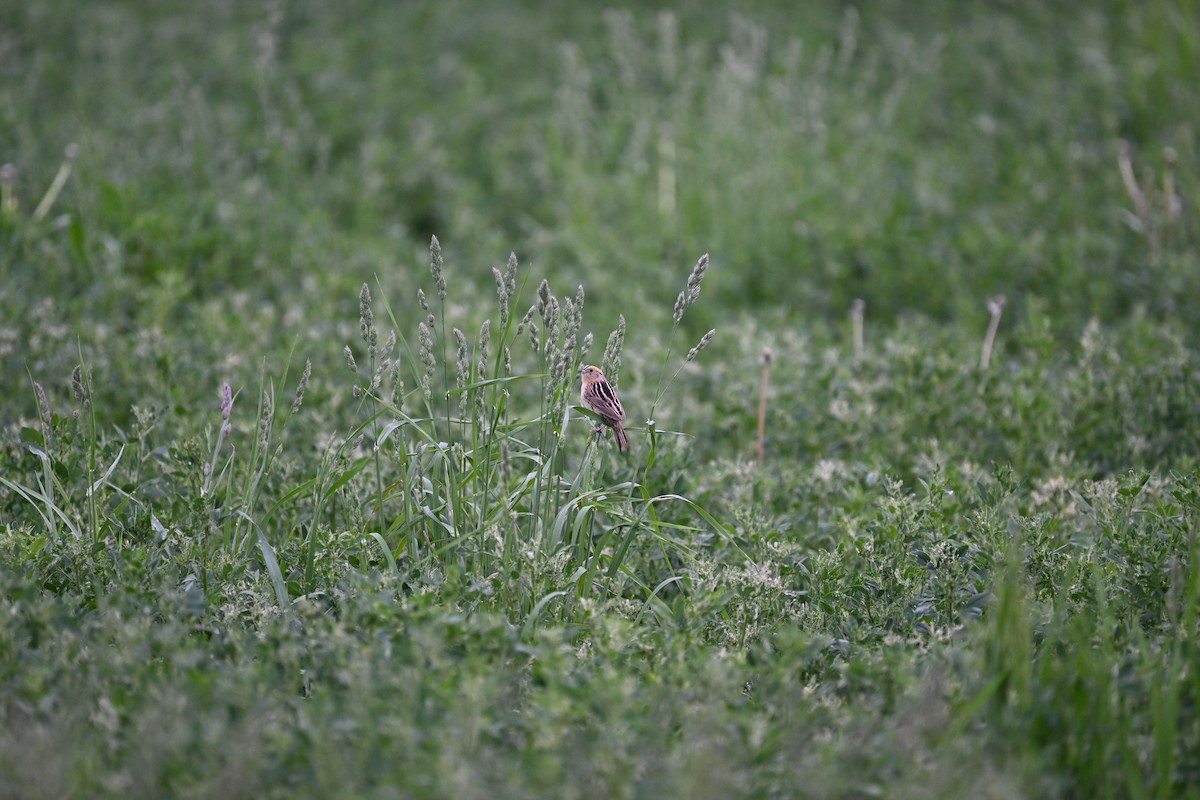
[296, 499]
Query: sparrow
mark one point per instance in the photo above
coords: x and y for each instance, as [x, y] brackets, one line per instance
[598, 396]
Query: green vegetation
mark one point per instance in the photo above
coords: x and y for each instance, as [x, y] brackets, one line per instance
[296, 501]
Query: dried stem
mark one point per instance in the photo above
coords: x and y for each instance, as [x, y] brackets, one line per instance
[858, 311]
[1172, 205]
[60, 180]
[995, 307]
[8, 201]
[1136, 195]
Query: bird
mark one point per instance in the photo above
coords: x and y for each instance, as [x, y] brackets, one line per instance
[599, 397]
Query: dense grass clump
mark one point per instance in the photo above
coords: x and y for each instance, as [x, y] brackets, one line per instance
[297, 499]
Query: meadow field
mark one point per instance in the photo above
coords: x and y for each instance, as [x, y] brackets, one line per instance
[297, 498]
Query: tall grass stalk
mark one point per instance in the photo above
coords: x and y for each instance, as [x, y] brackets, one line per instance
[759, 441]
[81, 381]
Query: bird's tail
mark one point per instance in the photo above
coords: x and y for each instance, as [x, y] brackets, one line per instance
[622, 439]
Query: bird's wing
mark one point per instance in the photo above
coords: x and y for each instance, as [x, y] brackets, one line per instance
[604, 401]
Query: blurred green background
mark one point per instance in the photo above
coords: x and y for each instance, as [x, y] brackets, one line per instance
[922, 159]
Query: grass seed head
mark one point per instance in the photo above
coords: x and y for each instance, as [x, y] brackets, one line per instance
[510, 274]
[44, 411]
[226, 402]
[525, 320]
[435, 267]
[693, 282]
[502, 295]
[552, 316]
[397, 384]
[563, 363]
[366, 318]
[425, 352]
[462, 368]
[703, 343]
[304, 376]
[481, 368]
[611, 363]
[265, 421]
[80, 387]
[481, 348]
[226, 409]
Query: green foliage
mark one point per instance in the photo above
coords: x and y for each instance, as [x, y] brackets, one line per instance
[250, 548]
